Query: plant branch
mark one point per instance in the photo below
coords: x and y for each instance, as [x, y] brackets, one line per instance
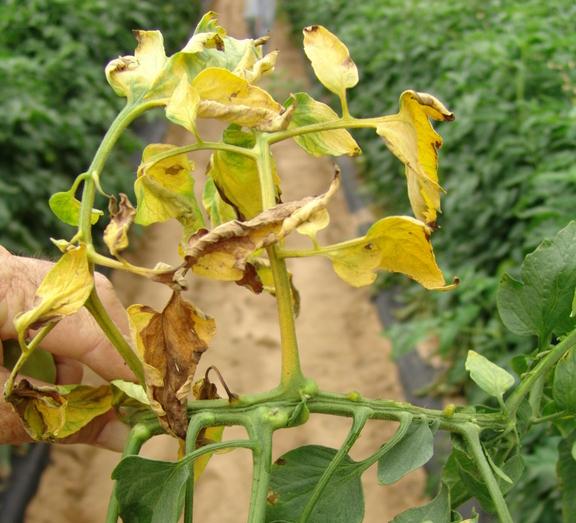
[261, 432]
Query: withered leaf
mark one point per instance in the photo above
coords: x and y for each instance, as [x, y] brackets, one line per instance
[121, 218]
[56, 412]
[171, 343]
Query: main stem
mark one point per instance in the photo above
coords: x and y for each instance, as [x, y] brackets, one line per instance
[291, 373]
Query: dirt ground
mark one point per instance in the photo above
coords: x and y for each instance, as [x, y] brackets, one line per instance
[341, 347]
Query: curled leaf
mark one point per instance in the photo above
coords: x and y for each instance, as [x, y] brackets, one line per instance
[309, 111]
[171, 343]
[51, 413]
[218, 210]
[63, 291]
[411, 137]
[226, 96]
[252, 68]
[121, 217]
[223, 253]
[67, 208]
[165, 190]
[330, 59]
[487, 375]
[394, 244]
[182, 108]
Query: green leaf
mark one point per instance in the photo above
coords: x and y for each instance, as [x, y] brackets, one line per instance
[564, 385]
[566, 468]
[39, 365]
[487, 375]
[67, 208]
[309, 111]
[294, 476]
[132, 390]
[150, 491]
[540, 303]
[437, 511]
[218, 210]
[410, 453]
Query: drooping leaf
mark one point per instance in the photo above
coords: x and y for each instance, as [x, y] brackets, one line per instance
[132, 390]
[413, 140]
[308, 111]
[293, 478]
[564, 385]
[540, 303]
[67, 208]
[410, 453]
[63, 291]
[165, 190]
[395, 244]
[437, 511]
[223, 253]
[236, 176]
[491, 378]
[56, 412]
[266, 277]
[182, 108]
[566, 468]
[251, 67]
[150, 491]
[39, 365]
[219, 211]
[121, 217]
[171, 344]
[226, 96]
[330, 59]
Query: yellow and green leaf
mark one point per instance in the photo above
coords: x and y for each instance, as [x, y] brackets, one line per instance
[308, 111]
[218, 210]
[411, 137]
[67, 208]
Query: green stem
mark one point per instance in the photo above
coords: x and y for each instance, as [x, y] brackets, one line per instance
[98, 311]
[471, 435]
[540, 369]
[262, 457]
[360, 417]
[104, 261]
[139, 434]
[27, 350]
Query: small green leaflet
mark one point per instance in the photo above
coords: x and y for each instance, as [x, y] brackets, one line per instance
[293, 478]
[410, 453]
[67, 208]
[437, 511]
[541, 303]
[488, 376]
[564, 385]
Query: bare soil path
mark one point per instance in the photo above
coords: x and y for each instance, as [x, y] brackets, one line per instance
[341, 348]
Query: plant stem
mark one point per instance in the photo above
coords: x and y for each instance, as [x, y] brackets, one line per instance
[360, 417]
[262, 457]
[471, 435]
[98, 311]
[291, 373]
[139, 434]
[540, 369]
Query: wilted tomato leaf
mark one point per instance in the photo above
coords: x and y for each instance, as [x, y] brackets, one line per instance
[218, 210]
[67, 208]
[266, 277]
[308, 111]
[236, 175]
[411, 137]
[251, 67]
[63, 291]
[121, 217]
[330, 59]
[56, 412]
[171, 344]
[226, 96]
[394, 244]
[222, 253]
[182, 108]
[165, 190]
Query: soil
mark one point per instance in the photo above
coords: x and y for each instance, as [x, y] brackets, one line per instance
[342, 346]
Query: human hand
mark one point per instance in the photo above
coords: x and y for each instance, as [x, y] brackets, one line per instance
[76, 341]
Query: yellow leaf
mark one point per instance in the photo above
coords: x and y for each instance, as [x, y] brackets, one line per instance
[330, 59]
[411, 137]
[394, 244]
[225, 96]
[63, 291]
[309, 111]
[121, 218]
[165, 190]
[182, 109]
[252, 67]
[171, 343]
[51, 413]
[133, 76]
[219, 211]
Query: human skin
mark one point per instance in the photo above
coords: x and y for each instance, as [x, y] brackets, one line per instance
[75, 342]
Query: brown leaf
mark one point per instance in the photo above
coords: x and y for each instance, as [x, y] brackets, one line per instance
[121, 218]
[171, 344]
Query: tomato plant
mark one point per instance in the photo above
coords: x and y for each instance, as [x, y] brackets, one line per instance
[236, 234]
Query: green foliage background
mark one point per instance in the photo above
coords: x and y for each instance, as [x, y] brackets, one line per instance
[56, 104]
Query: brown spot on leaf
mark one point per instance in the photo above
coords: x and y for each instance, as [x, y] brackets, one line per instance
[121, 218]
[311, 28]
[272, 497]
[173, 170]
[280, 461]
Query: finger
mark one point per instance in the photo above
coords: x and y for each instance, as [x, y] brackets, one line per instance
[77, 336]
[68, 371]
